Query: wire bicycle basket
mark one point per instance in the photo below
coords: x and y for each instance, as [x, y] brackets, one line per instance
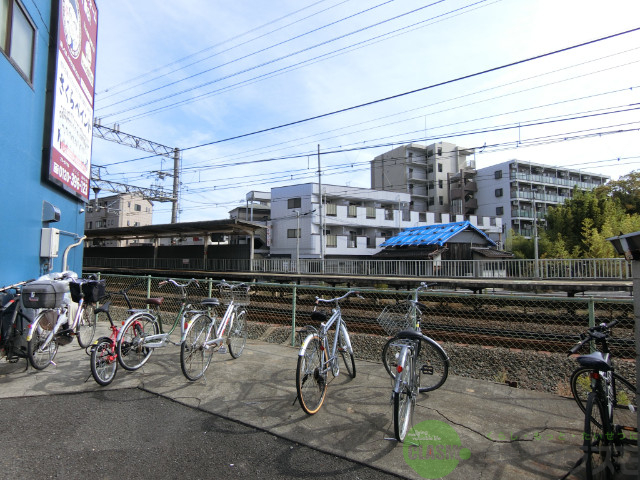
[238, 293]
[401, 316]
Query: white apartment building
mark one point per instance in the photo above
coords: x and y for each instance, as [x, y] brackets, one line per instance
[122, 210]
[520, 192]
[438, 177]
[355, 221]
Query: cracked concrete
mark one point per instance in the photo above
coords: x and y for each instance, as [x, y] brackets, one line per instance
[510, 433]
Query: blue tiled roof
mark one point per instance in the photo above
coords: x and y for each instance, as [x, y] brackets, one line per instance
[432, 235]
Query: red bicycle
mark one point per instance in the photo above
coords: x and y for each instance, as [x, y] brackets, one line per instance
[104, 357]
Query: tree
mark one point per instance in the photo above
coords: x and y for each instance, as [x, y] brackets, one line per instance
[626, 190]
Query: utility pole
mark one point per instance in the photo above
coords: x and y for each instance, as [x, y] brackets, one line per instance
[176, 185]
[321, 212]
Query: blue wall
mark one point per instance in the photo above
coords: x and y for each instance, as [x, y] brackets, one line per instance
[22, 188]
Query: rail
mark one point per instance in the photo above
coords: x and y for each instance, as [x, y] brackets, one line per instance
[574, 269]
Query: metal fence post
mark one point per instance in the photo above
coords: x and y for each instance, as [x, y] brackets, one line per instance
[293, 316]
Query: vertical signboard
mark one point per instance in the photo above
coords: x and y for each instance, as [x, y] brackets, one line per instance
[72, 131]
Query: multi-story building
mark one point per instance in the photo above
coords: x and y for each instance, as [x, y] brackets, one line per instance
[122, 210]
[349, 221]
[256, 210]
[438, 177]
[520, 192]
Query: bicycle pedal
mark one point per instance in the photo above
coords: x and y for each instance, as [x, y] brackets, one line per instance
[222, 349]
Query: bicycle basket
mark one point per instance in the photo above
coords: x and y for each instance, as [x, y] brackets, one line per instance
[93, 290]
[239, 294]
[395, 318]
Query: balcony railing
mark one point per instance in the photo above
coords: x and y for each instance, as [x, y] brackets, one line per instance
[576, 269]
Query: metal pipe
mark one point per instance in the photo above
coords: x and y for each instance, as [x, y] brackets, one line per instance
[66, 252]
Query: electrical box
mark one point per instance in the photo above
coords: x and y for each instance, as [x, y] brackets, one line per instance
[49, 242]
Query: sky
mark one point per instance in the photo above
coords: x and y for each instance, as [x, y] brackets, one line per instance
[250, 91]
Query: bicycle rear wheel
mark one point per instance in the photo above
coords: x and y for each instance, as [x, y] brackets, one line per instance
[194, 357]
[311, 376]
[86, 328]
[597, 447]
[42, 358]
[626, 404]
[402, 394]
[432, 362]
[346, 352]
[103, 361]
[132, 354]
[237, 338]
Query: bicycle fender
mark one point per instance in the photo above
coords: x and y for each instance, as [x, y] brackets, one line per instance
[128, 322]
[95, 343]
[347, 339]
[305, 343]
[32, 328]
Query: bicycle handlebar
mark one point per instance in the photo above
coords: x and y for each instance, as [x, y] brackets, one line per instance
[597, 332]
[173, 282]
[337, 299]
[223, 283]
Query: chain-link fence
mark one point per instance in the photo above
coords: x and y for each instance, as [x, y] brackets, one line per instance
[514, 339]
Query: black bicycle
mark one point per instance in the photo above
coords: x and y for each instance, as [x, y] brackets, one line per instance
[603, 396]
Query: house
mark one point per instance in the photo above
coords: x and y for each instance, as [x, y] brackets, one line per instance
[446, 242]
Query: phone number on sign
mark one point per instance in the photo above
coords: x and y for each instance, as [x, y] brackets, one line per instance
[72, 179]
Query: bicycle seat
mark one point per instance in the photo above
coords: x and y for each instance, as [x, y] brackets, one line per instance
[594, 360]
[210, 302]
[155, 301]
[103, 308]
[409, 334]
[318, 316]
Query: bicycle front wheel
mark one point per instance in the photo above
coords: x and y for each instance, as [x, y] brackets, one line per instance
[346, 352]
[432, 362]
[195, 357]
[402, 394]
[103, 362]
[132, 354]
[311, 376]
[626, 404]
[86, 328]
[40, 358]
[237, 338]
[597, 447]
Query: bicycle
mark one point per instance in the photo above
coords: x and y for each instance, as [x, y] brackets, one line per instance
[317, 357]
[65, 304]
[143, 332]
[14, 324]
[606, 392]
[198, 347]
[415, 362]
[104, 358]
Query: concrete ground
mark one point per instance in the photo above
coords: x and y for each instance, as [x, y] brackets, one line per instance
[503, 432]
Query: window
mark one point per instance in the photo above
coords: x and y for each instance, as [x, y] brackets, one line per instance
[137, 207]
[498, 174]
[429, 153]
[499, 210]
[17, 35]
[440, 184]
[439, 151]
[498, 192]
[371, 212]
[441, 200]
[352, 211]
[291, 232]
[294, 203]
[440, 167]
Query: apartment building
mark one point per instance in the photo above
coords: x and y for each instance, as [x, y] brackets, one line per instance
[438, 177]
[122, 210]
[346, 221]
[520, 192]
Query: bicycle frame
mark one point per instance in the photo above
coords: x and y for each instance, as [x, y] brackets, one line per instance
[227, 321]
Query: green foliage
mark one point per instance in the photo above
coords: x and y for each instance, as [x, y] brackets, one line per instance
[580, 227]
